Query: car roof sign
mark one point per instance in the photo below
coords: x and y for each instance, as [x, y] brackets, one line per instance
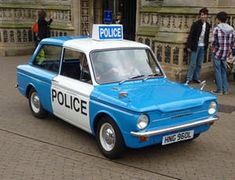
[103, 32]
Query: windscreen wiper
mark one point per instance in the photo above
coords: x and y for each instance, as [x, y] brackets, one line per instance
[132, 77]
[152, 76]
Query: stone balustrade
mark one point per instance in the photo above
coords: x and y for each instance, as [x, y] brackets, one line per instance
[16, 36]
[165, 30]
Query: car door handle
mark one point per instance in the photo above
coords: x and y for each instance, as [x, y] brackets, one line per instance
[55, 81]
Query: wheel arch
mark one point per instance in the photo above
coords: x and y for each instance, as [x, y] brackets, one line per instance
[29, 87]
[118, 146]
[40, 111]
[99, 117]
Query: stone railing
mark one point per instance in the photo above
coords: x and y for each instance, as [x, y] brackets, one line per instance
[166, 33]
[17, 18]
[16, 22]
[167, 22]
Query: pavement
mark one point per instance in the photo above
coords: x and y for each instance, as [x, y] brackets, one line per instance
[51, 149]
[226, 102]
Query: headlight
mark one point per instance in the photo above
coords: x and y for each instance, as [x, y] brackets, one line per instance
[143, 121]
[212, 107]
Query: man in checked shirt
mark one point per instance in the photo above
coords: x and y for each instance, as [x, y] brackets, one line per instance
[223, 40]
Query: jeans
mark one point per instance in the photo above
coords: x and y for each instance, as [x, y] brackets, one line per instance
[195, 64]
[220, 69]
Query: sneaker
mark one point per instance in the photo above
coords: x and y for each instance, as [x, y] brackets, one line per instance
[197, 81]
[225, 93]
[187, 82]
[216, 92]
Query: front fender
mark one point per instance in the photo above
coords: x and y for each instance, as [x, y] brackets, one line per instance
[125, 119]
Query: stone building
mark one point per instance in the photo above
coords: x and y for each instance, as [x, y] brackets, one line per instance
[162, 24]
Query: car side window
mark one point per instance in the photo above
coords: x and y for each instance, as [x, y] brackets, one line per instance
[48, 58]
[74, 65]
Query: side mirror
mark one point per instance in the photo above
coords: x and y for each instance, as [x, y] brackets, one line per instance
[202, 84]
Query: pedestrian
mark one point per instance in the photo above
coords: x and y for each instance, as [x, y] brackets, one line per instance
[223, 41]
[118, 19]
[43, 26]
[197, 44]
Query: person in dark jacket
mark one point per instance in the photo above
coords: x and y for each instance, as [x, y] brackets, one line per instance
[197, 44]
[43, 26]
[118, 19]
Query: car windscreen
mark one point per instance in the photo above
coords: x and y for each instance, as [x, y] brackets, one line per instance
[124, 64]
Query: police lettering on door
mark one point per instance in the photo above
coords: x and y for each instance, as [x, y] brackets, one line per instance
[68, 101]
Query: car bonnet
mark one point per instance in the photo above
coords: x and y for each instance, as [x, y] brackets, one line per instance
[152, 94]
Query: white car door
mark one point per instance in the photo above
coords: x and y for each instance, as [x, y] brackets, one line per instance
[70, 92]
[70, 101]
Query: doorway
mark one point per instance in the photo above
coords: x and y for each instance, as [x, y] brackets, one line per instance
[127, 8]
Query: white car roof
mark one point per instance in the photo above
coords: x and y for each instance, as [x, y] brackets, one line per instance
[87, 44]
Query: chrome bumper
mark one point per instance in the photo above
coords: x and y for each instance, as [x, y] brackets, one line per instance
[174, 128]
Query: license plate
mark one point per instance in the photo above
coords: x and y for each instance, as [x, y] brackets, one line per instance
[180, 136]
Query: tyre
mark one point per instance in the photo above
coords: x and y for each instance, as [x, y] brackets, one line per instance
[109, 138]
[35, 105]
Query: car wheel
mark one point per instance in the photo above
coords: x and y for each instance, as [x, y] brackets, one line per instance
[35, 105]
[109, 138]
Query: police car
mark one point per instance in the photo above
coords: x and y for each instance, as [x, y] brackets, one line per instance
[114, 89]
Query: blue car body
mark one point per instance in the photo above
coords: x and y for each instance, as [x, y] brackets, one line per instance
[169, 106]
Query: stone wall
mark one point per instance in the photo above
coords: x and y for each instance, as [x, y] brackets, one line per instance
[17, 17]
[162, 24]
[165, 26]
[70, 17]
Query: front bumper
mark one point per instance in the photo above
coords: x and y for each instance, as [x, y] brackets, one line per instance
[174, 128]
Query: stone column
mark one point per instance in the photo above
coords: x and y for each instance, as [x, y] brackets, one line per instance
[98, 11]
[86, 16]
[76, 16]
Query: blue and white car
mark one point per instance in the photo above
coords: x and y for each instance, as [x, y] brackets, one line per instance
[114, 89]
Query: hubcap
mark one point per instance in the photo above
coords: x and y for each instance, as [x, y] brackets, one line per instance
[107, 136]
[35, 102]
